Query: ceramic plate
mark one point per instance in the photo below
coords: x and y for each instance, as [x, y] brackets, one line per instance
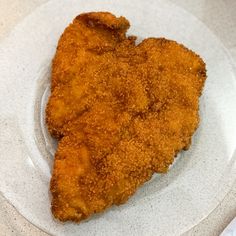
[169, 204]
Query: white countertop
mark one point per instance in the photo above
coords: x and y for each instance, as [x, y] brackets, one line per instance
[220, 17]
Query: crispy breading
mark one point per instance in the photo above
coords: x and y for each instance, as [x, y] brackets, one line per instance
[120, 111]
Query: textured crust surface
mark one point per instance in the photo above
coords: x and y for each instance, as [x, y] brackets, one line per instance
[120, 111]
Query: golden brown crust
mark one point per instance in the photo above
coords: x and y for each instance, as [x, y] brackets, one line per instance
[105, 20]
[120, 112]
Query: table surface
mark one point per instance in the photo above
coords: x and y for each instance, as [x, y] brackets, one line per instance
[220, 17]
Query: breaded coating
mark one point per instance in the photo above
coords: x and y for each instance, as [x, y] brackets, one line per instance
[120, 111]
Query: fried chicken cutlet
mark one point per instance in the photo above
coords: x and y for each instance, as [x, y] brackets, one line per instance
[120, 111]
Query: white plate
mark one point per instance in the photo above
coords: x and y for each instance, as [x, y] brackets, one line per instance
[168, 204]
